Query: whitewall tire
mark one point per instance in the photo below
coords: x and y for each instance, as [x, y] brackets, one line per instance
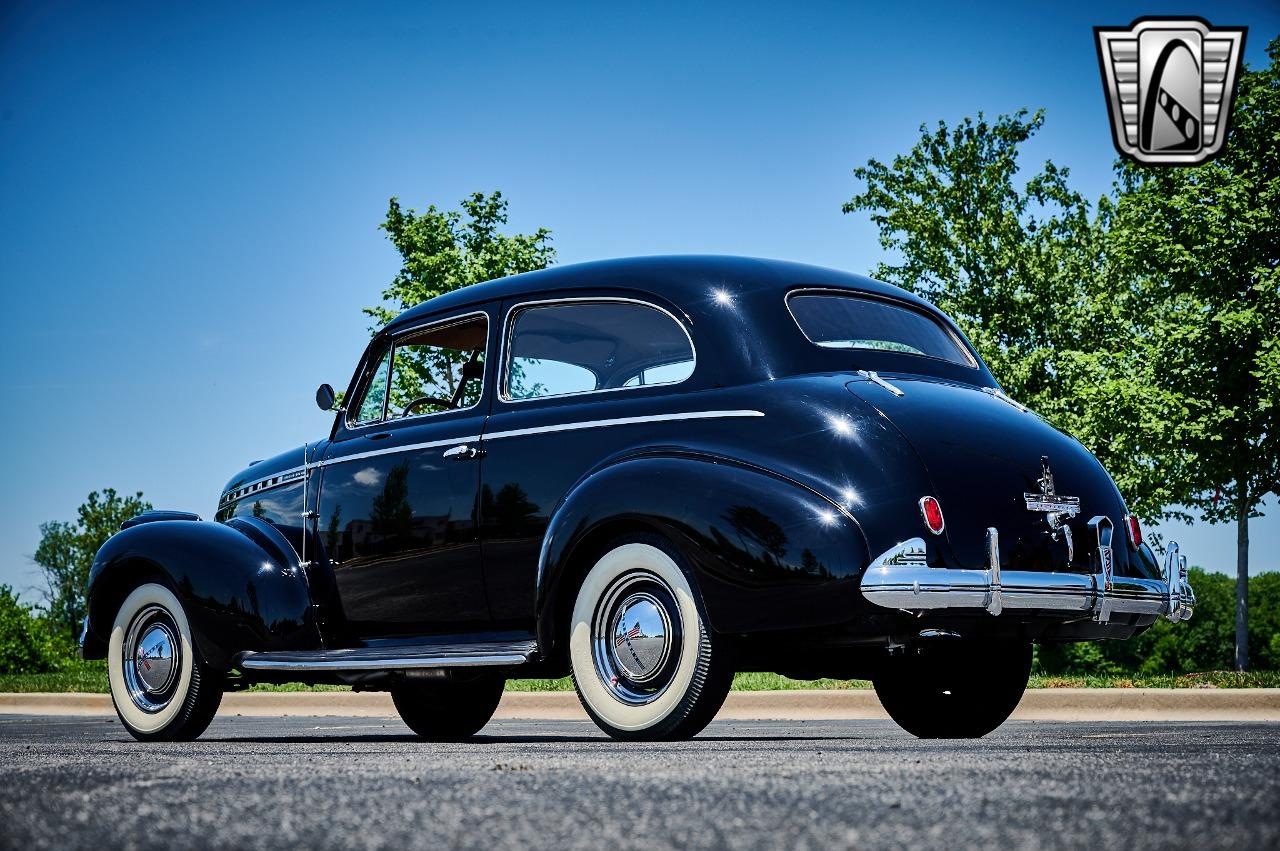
[161, 689]
[644, 660]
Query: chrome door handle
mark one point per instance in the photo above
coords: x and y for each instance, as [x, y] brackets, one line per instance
[463, 452]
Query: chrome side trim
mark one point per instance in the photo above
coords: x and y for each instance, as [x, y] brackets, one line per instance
[391, 450]
[403, 658]
[618, 421]
[275, 480]
[297, 472]
[403, 663]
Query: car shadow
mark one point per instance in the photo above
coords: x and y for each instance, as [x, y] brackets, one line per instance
[409, 738]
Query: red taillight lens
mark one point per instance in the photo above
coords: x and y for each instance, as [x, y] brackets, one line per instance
[932, 514]
[1135, 531]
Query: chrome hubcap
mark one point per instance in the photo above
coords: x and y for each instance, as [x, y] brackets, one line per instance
[640, 637]
[635, 630]
[152, 659]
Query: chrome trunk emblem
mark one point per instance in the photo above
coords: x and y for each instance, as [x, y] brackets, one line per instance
[1057, 509]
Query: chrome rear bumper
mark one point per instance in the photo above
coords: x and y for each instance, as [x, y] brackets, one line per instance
[900, 579]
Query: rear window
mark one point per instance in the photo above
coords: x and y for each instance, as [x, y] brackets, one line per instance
[836, 321]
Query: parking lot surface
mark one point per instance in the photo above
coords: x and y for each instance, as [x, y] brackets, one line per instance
[366, 782]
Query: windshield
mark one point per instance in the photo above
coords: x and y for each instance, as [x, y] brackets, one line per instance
[837, 321]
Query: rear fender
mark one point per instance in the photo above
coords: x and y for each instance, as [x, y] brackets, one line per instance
[767, 552]
[240, 582]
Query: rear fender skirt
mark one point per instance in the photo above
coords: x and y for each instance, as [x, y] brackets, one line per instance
[767, 553]
[240, 582]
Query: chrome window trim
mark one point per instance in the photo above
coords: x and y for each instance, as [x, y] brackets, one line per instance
[509, 328]
[395, 340]
[362, 388]
[946, 329]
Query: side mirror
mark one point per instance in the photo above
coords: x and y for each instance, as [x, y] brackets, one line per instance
[325, 397]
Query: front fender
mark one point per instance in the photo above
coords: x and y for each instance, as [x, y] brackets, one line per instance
[767, 552]
[240, 582]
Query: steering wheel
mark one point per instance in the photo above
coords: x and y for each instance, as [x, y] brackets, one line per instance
[423, 400]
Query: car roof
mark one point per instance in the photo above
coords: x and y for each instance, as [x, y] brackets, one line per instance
[678, 279]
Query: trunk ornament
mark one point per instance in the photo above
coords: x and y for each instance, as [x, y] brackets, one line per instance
[1057, 509]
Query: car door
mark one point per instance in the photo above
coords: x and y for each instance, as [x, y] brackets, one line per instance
[396, 516]
[581, 379]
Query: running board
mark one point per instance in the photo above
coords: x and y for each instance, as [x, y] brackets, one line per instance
[487, 654]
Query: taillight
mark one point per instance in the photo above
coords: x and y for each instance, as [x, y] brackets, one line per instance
[1135, 530]
[931, 511]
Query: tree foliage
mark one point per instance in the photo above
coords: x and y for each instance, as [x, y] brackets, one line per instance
[1203, 246]
[1204, 643]
[1023, 267]
[1146, 324]
[26, 644]
[442, 251]
[66, 552]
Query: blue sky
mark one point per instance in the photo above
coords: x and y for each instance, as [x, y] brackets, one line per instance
[189, 198]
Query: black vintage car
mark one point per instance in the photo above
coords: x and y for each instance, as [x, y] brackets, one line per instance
[649, 474]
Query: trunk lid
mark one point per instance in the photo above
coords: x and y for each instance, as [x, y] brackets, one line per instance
[983, 455]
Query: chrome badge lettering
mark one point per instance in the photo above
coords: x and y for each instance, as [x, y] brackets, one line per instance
[1057, 508]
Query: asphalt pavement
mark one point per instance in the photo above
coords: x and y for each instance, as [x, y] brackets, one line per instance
[366, 783]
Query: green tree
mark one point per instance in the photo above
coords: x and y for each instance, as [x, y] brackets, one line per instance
[445, 250]
[1203, 245]
[1024, 269]
[1204, 643]
[26, 645]
[66, 553]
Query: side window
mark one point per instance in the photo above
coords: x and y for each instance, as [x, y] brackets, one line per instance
[375, 395]
[580, 347]
[440, 369]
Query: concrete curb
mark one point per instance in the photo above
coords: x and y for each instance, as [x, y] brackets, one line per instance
[1065, 704]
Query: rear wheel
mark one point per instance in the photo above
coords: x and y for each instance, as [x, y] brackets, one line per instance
[161, 688]
[448, 710]
[954, 689]
[644, 660]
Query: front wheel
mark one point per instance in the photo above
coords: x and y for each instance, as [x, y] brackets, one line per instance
[955, 689]
[644, 660]
[161, 688]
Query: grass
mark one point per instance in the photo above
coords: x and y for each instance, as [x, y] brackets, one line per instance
[92, 677]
